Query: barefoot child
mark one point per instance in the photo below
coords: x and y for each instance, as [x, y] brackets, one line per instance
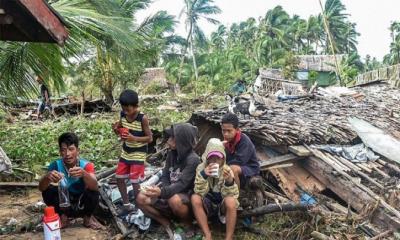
[215, 191]
[134, 130]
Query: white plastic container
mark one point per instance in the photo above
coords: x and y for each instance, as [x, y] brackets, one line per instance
[51, 224]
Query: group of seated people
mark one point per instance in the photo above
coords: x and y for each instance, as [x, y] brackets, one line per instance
[206, 187]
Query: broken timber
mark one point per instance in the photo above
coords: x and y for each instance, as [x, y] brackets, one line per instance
[350, 190]
[117, 221]
[272, 208]
[270, 162]
[19, 184]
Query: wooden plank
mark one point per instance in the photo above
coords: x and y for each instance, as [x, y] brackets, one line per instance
[281, 166]
[272, 208]
[331, 162]
[358, 171]
[382, 173]
[19, 184]
[346, 190]
[290, 179]
[299, 151]
[363, 167]
[269, 162]
[348, 163]
[336, 161]
[389, 165]
[382, 202]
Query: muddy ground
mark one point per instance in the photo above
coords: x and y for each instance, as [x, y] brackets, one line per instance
[16, 203]
[13, 204]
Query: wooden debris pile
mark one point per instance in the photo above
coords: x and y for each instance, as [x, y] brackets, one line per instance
[61, 107]
[366, 192]
[316, 120]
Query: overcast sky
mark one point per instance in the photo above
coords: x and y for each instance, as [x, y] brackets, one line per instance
[373, 17]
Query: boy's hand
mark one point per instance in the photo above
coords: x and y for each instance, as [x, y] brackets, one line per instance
[76, 172]
[128, 137]
[115, 126]
[153, 192]
[228, 175]
[54, 176]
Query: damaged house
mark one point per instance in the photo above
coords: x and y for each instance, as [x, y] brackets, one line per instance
[335, 152]
[327, 149]
[310, 69]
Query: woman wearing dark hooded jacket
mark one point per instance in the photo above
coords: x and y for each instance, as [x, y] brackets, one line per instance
[172, 199]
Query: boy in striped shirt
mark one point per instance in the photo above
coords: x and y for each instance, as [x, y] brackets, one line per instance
[134, 129]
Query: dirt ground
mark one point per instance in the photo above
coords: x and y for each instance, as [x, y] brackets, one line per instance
[13, 204]
[16, 204]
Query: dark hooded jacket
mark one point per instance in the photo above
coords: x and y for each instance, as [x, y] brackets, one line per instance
[180, 167]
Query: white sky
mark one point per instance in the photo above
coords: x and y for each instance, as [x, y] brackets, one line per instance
[373, 17]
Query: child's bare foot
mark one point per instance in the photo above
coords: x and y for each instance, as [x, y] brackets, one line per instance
[91, 222]
[64, 221]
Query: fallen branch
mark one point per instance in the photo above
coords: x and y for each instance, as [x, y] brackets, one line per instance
[117, 221]
[272, 208]
[382, 235]
[105, 173]
[319, 236]
[23, 170]
[19, 184]
[255, 230]
[275, 196]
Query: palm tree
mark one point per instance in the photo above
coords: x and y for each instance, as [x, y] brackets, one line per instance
[93, 26]
[394, 55]
[341, 29]
[194, 11]
[218, 38]
[314, 34]
[271, 34]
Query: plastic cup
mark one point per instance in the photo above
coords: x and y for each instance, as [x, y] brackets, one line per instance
[123, 131]
[215, 170]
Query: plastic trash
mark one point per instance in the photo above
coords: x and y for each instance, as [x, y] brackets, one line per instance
[307, 199]
[139, 219]
[63, 193]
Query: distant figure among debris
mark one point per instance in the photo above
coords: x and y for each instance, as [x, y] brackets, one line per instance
[239, 87]
[134, 129]
[45, 103]
[258, 82]
[81, 182]
[240, 151]
[172, 199]
[215, 191]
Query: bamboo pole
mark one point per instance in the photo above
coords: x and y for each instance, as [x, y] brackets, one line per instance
[337, 72]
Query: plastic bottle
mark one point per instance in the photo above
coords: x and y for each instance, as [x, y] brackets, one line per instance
[51, 224]
[153, 180]
[63, 193]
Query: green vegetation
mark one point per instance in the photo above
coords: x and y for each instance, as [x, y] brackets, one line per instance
[108, 48]
[33, 147]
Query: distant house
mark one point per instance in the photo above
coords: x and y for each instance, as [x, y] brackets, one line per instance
[323, 65]
[31, 21]
[272, 80]
[320, 68]
[154, 76]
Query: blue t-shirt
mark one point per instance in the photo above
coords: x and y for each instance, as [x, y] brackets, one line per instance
[76, 186]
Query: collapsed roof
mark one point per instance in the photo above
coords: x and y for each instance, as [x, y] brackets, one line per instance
[320, 119]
